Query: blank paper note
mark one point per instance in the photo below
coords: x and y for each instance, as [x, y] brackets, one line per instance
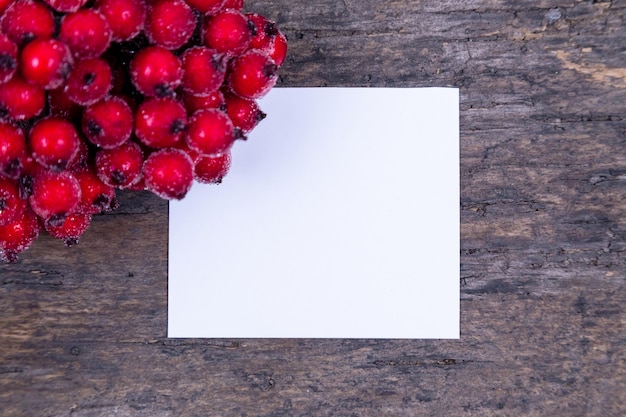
[339, 218]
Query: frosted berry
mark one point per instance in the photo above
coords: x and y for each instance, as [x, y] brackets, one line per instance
[215, 100]
[53, 142]
[8, 58]
[11, 205]
[96, 196]
[12, 149]
[244, 113]
[89, 81]
[210, 132]
[168, 173]
[86, 32]
[204, 71]
[170, 23]
[252, 75]
[55, 195]
[228, 31]
[120, 167]
[26, 20]
[160, 122]
[126, 17]
[66, 6]
[46, 63]
[70, 231]
[211, 170]
[268, 38]
[17, 236]
[156, 72]
[108, 123]
[20, 99]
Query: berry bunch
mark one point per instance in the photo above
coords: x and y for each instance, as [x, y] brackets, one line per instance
[99, 95]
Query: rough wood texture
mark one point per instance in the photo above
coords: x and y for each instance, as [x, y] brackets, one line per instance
[543, 192]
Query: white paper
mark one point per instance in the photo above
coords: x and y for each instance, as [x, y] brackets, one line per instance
[339, 219]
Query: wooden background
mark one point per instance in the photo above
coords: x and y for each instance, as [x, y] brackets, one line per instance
[543, 235]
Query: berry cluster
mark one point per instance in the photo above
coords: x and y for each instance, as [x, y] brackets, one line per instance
[99, 95]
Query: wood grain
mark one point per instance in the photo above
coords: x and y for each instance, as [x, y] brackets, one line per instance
[543, 238]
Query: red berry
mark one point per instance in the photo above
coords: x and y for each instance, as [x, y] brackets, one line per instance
[168, 173]
[17, 236]
[160, 122]
[89, 81]
[156, 72]
[55, 195]
[8, 58]
[210, 132]
[228, 31]
[211, 170]
[108, 123]
[21, 100]
[11, 205]
[25, 20]
[268, 38]
[96, 196]
[120, 167]
[252, 75]
[66, 6]
[126, 17]
[204, 71]
[215, 100]
[170, 23]
[12, 149]
[244, 113]
[46, 63]
[70, 231]
[53, 142]
[86, 32]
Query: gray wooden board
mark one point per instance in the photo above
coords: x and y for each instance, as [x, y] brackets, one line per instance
[543, 229]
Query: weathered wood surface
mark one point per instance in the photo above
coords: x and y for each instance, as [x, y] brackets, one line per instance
[543, 224]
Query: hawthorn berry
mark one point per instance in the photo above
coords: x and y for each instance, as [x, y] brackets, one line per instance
[120, 167]
[126, 17]
[25, 20]
[89, 81]
[210, 132]
[168, 173]
[252, 74]
[170, 23]
[108, 123]
[46, 63]
[21, 100]
[156, 72]
[86, 32]
[212, 169]
[228, 31]
[101, 95]
[53, 142]
[160, 122]
[55, 195]
[17, 236]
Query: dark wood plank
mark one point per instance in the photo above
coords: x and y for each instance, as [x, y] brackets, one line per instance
[543, 193]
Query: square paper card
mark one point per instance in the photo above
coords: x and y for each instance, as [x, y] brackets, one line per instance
[339, 218]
